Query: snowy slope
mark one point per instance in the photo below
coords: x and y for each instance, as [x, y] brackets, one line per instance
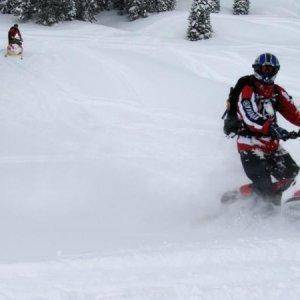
[113, 160]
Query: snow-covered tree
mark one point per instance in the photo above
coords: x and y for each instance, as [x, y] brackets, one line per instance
[118, 4]
[9, 6]
[105, 5]
[26, 10]
[165, 5]
[43, 11]
[48, 12]
[86, 10]
[151, 6]
[54, 11]
[199, 20]
[241, 7]
[135, 9]
[216, 6]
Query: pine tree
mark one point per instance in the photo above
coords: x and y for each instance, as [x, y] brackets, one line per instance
[171, 4]
[10, 6]
[105, 5]
[199, 20]
[2, 3]
[26, 10]
[119, 4]
[54, 11]
[135, 9]
[152, 6]
[241, 7]
[165, 5]
[48, 12]
[86, 10]
[216, 6]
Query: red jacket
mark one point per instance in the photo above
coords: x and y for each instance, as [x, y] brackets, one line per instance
[257, 107]
[13, 32]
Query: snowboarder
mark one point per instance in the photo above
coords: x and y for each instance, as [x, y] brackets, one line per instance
[14, 36]
[263, 159]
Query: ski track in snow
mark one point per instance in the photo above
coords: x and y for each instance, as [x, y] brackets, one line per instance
[113, 160]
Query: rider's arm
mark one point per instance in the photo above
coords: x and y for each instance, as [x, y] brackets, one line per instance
[287, 107]
[19, 33]
[248, 112]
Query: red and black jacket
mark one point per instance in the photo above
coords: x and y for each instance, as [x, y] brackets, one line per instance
[256, 108]
[13, 32]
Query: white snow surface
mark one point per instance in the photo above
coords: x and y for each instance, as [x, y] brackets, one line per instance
[113, 161]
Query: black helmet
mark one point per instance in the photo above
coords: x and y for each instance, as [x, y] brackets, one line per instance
[266, 67]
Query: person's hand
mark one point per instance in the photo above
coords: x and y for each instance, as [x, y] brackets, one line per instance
[279, 133]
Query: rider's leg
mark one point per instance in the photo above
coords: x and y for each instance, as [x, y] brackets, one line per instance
[257, 168]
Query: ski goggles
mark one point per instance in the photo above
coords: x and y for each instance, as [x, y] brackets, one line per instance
[267, 70]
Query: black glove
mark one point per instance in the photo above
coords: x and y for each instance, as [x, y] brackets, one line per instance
[294, 135]
[279, 133]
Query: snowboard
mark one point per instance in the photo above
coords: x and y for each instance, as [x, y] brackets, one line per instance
[242, 193]
[290, 208]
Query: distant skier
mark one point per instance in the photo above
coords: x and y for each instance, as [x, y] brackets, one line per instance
[258, 100]
[14, 36]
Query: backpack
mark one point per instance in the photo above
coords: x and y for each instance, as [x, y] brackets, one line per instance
[232, 125]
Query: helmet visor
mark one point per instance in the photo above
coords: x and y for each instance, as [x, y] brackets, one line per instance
[267, 70]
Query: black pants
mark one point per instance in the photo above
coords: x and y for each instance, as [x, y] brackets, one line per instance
[261, 167]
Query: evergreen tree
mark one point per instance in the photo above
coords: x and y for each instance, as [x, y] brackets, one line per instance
[10, 6]
[216, 6]
[119, 4]
[165, 5]
[26, 10]
[69, 7]
[152, 6]
[241, 7]
[54, 11]
[171, 4]
[105, 5]
[135, 9]
[199, 20]
[48, 12]
[86, 10]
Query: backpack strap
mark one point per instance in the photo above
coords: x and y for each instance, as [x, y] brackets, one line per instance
[236, 91]
[231, 122]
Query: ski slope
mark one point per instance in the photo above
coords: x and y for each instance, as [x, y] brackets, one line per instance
[113, 160]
